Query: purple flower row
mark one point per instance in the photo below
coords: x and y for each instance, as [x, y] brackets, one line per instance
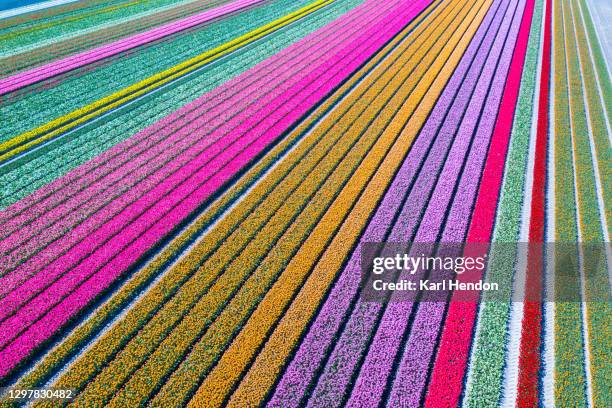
[341, 364]
[418, 350]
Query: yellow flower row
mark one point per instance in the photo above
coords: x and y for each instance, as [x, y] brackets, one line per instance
[102, 351]
[256, 383]
[180, 340]
[230, 320]
[233, 263]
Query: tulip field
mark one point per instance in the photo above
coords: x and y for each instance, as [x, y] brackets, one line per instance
[187, 189]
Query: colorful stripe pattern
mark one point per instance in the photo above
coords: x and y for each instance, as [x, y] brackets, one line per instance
[186, 189]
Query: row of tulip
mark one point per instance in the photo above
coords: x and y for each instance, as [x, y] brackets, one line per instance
[37, 30]
[485, 373]
[103, 265]
[263, 236]
[62, 46]
[267, 364]
[529, 346]
[91, 141]
[29, 77]
[76, 93]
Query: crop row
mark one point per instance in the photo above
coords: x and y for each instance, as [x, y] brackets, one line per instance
[95, 189]
[82, 87]
[65, 45]
[296, 379]
[33, 285]
[484, 384]
[60, 125]
[387, 328]
[137, 237]
[171, 281]
[47, 71]
[88, 143]
[531, 333]
[269, 201]
[265, 367]
[40, 30]
[590, 222]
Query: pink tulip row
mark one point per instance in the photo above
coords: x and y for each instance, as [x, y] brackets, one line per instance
[41, 281]
[163, 210]
[73, 204]
[172, 190]
[67, 64]
[35, 205]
